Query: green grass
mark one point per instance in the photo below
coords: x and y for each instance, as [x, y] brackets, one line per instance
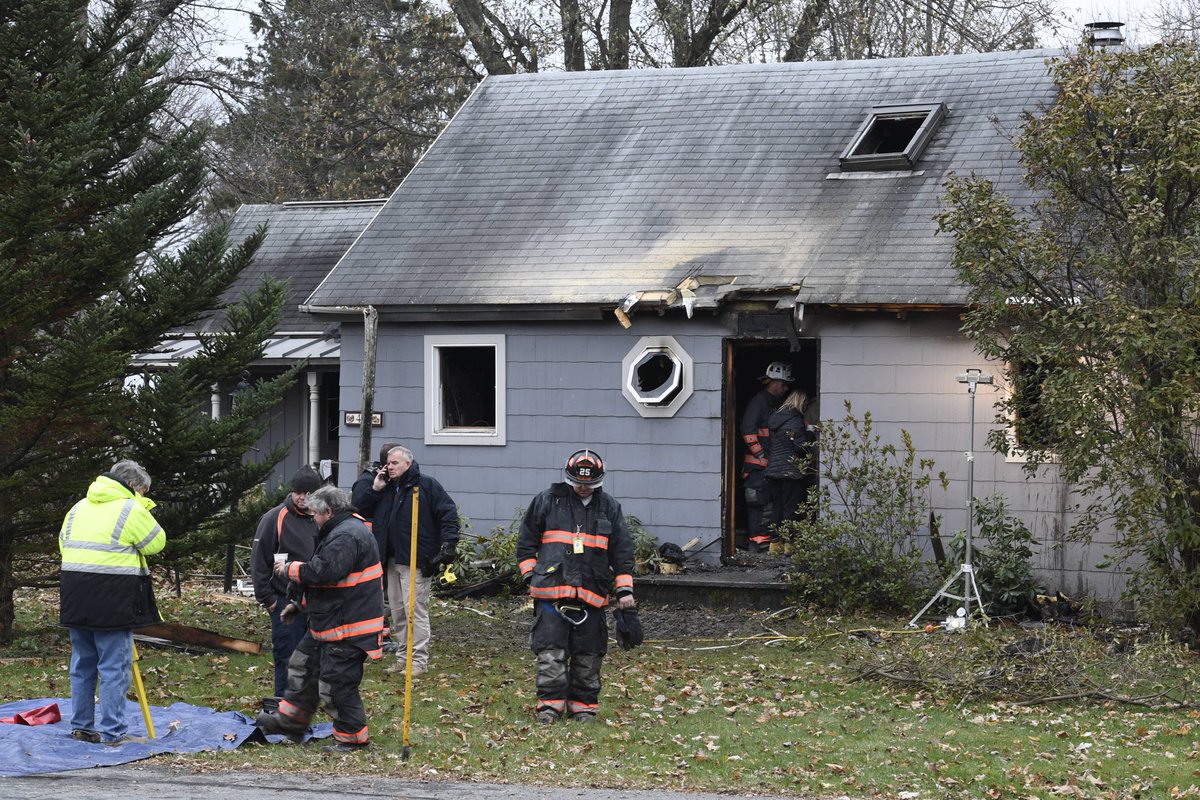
[785, 714]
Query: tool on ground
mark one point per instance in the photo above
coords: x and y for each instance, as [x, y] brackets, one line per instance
[412, 605]
[141, 694]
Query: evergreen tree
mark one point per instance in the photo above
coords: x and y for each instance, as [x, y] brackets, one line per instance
[343, 97]
[94, 175]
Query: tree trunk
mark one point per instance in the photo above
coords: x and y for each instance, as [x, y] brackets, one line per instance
[618, 34]
[806, 30]
[572, 34]
[471, 17]
[8, 585]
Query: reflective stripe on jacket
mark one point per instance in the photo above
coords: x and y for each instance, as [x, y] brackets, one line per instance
[754, 432]
[570, 551]
[343, 585]
[104, 541]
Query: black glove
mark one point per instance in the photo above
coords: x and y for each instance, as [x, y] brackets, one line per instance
[435, 565]
[629, 628]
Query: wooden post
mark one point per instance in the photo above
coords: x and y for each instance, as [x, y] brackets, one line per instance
[370, 337]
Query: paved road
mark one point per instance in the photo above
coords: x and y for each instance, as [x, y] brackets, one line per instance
[133, 782]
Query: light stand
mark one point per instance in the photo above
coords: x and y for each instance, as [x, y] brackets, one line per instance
[970, 592]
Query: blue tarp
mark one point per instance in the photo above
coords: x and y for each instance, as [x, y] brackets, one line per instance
[180, 727]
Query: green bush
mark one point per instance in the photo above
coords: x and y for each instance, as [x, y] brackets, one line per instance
[646, 557]
[857, 546]
[1003, 571]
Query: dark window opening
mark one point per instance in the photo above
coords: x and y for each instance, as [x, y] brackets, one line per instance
[658, 379]
[892, 137]
[468, 387]
[889, 135]
[1031, 424]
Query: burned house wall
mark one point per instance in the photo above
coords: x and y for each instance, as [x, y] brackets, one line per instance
[563, 393]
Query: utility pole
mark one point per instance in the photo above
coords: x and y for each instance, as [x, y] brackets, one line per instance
[370, 338]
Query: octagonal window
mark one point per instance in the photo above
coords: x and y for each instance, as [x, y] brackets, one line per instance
[658, 376]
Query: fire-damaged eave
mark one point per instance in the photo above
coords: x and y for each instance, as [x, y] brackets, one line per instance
[695, 295]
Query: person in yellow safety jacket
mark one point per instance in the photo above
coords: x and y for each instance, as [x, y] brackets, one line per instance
[755, 435]
[341, 588]
[105, 592]
[574, 550]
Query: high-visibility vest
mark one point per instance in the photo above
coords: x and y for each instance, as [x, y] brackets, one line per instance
[111, 531]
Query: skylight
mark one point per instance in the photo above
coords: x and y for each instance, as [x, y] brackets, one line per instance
[893, 137]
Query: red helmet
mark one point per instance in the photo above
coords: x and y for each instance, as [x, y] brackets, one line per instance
[585, 468]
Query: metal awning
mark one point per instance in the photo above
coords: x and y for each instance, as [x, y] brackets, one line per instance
[282, 349]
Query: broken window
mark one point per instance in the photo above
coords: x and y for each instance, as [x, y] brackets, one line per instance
[658, 376]
[1031, 427]
[464, 390]
[893, 137]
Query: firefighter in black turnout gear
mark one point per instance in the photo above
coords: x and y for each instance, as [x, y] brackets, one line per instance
[755, 435]
[341, 588]
[574, 551]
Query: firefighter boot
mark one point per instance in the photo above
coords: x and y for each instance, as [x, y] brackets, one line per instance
[276, 724]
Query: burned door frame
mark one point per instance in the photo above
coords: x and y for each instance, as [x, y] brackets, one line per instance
[743, 360]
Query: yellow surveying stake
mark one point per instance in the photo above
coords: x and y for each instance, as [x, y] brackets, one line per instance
[140, 688]
[412, 605]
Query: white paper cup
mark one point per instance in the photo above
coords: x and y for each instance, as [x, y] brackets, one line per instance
[280, 558]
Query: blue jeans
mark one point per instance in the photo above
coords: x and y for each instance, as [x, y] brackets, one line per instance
[284, 638]
[109, 655]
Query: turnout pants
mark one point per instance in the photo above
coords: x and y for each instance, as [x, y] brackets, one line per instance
[570, 644]
[328, 673]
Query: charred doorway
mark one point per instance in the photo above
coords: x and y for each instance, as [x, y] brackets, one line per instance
[746, 363]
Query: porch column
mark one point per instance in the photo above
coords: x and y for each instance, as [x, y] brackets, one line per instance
[314, 418]
[215, 400]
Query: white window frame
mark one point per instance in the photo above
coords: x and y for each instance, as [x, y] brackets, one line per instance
[683, 376]
[436, 435]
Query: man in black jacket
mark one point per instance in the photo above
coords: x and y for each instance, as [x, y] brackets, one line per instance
[340, 586]
[388, 501]
[573, 551]
[286, 532]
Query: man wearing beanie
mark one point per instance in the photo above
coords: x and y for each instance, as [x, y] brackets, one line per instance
[287, 530]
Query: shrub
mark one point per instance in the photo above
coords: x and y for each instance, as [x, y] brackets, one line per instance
[646, 557]
[857, 546]
[1003, 572]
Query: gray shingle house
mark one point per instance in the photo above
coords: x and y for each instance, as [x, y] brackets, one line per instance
[611, 259]
[303, 242]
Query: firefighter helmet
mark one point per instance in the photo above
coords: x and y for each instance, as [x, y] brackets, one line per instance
[778, 371]
[585, 468]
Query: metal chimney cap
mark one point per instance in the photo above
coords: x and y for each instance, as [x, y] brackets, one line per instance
[1104, 34]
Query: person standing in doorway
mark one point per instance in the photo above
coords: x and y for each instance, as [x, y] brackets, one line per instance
[105, 592]
[790, 461]
[286, 532]
[574, 550]
[755, 435]
[388, 501]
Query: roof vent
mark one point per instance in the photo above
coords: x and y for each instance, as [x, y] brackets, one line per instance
[892, 137]
[1103, 34]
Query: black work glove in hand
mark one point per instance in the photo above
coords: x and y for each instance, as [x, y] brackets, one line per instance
[629, 628]
[445, 556]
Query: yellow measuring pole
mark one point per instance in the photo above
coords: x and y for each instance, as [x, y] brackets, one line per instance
[140, 688]
[412, 605]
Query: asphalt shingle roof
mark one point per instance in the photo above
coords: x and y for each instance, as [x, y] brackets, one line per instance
[303, 242]
[565, 188]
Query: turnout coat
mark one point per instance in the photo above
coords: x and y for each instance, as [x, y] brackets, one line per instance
[569, 551]
[342, 585]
